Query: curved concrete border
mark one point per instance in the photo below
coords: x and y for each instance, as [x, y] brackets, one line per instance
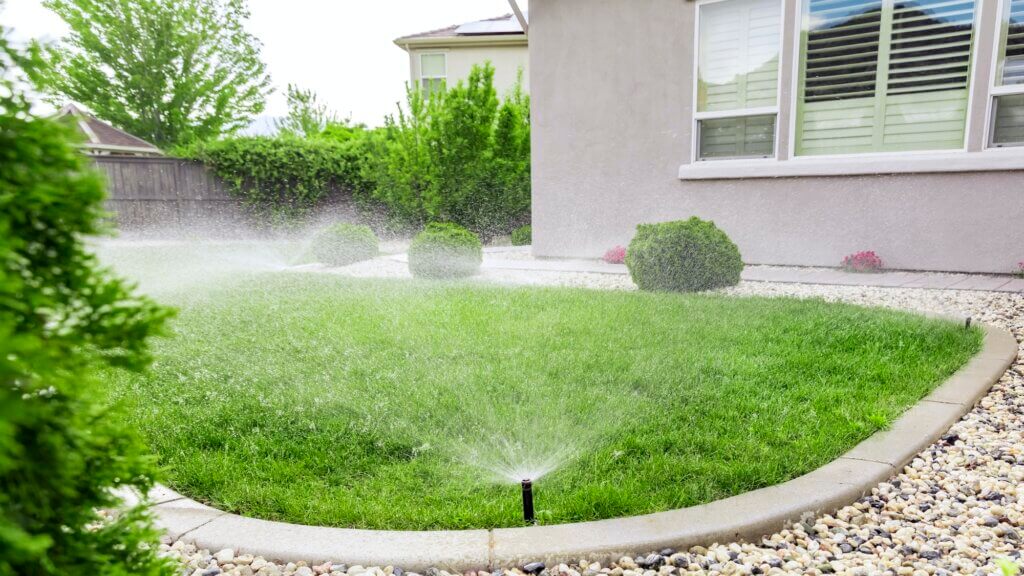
[745, 517]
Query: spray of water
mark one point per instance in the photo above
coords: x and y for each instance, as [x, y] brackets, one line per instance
[508, 432]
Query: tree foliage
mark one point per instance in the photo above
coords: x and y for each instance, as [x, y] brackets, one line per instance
[168, 71]
[307, 116]
[62, 317]
[460, 155]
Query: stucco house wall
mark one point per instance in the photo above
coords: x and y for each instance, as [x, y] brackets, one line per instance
[613, 100]
[507, 60]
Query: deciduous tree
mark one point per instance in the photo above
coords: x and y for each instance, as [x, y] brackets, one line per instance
[169, 71]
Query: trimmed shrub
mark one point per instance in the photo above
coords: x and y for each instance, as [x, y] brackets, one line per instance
[866, 261]
[63, 318]
[445, 250]
[616, 255]
[522, 236]
[1019, 272]
[344, 244]
[683, 256]
[284, 179]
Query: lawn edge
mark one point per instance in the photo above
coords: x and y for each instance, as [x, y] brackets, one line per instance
[746, 516]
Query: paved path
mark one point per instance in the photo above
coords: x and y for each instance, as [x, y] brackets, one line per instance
[518, 259]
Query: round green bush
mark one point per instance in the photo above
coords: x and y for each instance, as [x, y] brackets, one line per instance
[522, 236]
[445, 250]
[683, 256]
[344, 244]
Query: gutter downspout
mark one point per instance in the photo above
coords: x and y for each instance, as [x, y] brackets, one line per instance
[520, 17]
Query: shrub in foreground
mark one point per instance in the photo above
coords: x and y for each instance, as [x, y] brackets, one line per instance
[344, 244]
[616, 255]
[522, 236]
[866, 261]
[445, 250]
[62, 317]
[683, 256]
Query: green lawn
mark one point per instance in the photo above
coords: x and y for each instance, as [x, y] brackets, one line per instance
[411, 405]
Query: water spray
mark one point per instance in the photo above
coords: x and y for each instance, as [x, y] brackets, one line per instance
[528, 515]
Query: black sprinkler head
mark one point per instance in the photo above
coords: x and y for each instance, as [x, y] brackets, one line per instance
[528, 515]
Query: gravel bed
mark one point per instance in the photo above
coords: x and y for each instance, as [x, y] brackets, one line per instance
[956, 509]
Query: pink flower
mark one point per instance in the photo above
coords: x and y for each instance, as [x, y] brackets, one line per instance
[616, 255]
[866, 261]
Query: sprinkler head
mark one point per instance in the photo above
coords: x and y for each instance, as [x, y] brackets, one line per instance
[528, 515]
[967, 323]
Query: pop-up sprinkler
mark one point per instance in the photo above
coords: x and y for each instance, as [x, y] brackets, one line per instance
[528, 515]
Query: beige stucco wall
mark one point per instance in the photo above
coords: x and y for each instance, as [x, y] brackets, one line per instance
[612, 102]
[507, 61]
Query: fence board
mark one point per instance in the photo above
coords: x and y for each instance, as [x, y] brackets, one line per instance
[167, 194]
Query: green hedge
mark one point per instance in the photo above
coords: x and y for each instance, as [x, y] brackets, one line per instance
[683, 256]
[522, 236]
[284, 179]
[445, 250]
[344, 244]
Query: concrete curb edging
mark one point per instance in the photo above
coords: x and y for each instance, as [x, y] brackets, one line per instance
[747, 516]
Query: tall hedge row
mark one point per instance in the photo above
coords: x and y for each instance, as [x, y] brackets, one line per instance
[460, 155]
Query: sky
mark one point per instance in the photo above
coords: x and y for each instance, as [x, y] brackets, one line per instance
[341, 49]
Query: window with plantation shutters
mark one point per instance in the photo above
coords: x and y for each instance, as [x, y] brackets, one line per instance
[884, 75]
[737, 78]
[1008, 93]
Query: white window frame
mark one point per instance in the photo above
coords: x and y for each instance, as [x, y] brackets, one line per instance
[994, 89]
[715, 115]
[422, 77]
[965, 159]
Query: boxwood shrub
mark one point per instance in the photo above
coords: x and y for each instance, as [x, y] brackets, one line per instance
[445, 250]
[344, 244]
[522, 236]
[683, 256]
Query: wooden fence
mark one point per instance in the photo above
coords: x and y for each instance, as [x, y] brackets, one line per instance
[167, 194]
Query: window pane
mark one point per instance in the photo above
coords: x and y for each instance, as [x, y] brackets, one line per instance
[432, 86]
[1008, 124]
[738, 59]
[744, 137]
[916, 101]
[1011, 67]
[843, 43]
[432, 66]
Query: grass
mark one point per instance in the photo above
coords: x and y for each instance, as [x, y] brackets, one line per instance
[391, 404]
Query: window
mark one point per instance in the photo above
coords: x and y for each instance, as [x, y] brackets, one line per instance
[433, 72]
[1008, 99]
[884, 75]
[737, 78]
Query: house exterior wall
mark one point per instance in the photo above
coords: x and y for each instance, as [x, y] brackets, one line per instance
[507, 61]
[612, 93]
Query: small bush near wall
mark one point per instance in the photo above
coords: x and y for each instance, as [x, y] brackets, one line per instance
[522, 236]
[683, 256]
[1019, 272]
[616, 255]
[445, 250]
[344, 244]
[866, 261]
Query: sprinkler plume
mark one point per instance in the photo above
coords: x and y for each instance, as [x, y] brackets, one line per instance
[528, 515]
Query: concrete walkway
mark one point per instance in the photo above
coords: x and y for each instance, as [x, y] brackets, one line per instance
[518, 259]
